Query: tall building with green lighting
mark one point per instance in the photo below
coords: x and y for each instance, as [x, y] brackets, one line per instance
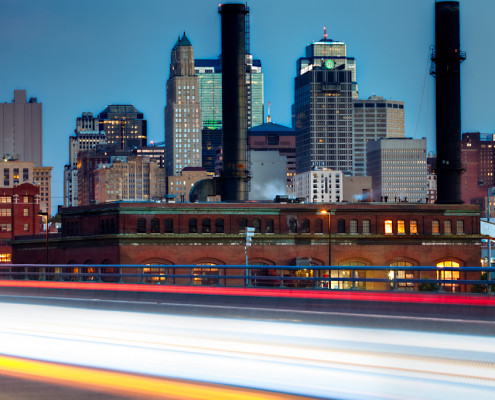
[209, 72]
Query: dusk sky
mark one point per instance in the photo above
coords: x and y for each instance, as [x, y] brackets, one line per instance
[81, 56]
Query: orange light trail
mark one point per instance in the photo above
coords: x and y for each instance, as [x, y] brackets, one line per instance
[128, 384]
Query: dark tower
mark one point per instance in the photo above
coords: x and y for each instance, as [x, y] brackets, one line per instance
[235, 174]
[447, 58]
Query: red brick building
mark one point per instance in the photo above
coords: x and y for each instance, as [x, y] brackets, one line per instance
[362, 234]
[19, 208]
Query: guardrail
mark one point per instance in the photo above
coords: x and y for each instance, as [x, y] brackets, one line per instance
[373, 278]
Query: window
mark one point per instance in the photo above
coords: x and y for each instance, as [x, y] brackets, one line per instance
[413, 226]
[353, 226]
[25, 212]
[6, 177]
[388, 227]
[318, 226]
[242, 224]
[155, 225]
[435, 227]
[26, 227]
[269, 225]
[257, 225]
[206, 225]
[402, 274]
[154, 275]
[25, 199]
[401, 226]
[447, 227]
[460, 227]
[193, 225]
[25, 175]
[305, 226]
[5, 257]
[5, 212]
[141, 225]
[292, 225]
[367, 226]
[5, 227]
[219, 225]
[341, 226]
[169, 225]
[448, 275]
[5, 199]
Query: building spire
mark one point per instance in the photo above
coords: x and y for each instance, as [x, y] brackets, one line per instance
[325, 33]
[268, 117]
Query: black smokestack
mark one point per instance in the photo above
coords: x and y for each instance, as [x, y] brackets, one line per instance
[447, 58]
[235, 174]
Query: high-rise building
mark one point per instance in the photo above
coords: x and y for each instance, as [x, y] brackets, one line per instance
[325, 86]
[398, 169]
[209, 73]
[182, 111]
[373, 119]
[42, 176]
[179, 187]
[21, 129]
[124, 126]
[87, 137]
[129, 179]
[319, 186]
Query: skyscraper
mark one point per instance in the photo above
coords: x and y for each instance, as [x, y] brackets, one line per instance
[182, 111]
[209, 72]
[87, 137]
[124, 126]
[21, 129]
[398, 169]
[325, 86]
[373, 119]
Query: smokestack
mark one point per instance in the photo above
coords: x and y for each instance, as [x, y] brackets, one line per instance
[447, 58]
[235, 174]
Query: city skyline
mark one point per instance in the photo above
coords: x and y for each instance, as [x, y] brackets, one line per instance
[77, 59]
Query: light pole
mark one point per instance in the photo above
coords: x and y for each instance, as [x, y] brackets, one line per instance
[45, 215]
[329, 214]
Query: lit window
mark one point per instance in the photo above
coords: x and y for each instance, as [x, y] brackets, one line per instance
[460, 226]
[447, 226]
[25, 212]
[401, 226]
[435, 227]
[413, 226]
[388, 227]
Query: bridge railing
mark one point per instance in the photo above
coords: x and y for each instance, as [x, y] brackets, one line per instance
[375, 278]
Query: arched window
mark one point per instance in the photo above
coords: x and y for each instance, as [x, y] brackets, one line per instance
[401, 227]
[367, 226]
[269, 225]
[155, 225]
[401, 274]
[413, 226]
[141, 225]
[460, 227]
[219, 225]
[435, 227]
[257, 225]
[451, 275]
[353, 226]
[341, 225]
[193, 225]
[305, 228]
[388, 227]
[169, 225]
[242, 224]
[447, 227]
[206, 225]
[292, 225]
[318, 226]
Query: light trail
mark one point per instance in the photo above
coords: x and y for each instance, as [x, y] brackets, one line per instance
[321, 361]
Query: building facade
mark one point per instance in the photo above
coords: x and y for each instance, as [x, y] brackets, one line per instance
[19, 208]
[43, 178]
[183, 143]
[21, 131]
[398, 170]
[325, 86]
[129, 179]
[179, 187]
[320, 186]
[185, 238]
[124, 126]
[373, 119]
[87, 137]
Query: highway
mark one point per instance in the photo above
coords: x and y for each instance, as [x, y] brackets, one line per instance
[118, 349]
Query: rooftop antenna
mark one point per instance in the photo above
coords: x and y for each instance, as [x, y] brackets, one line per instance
[268, 117]
[325, 33]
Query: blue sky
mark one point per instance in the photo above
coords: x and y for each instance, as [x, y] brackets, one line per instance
[82, 56]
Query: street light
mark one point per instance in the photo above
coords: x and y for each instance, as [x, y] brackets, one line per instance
[45, 215]
[329, 214]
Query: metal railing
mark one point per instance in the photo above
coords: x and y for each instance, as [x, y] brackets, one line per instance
[372, 278]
